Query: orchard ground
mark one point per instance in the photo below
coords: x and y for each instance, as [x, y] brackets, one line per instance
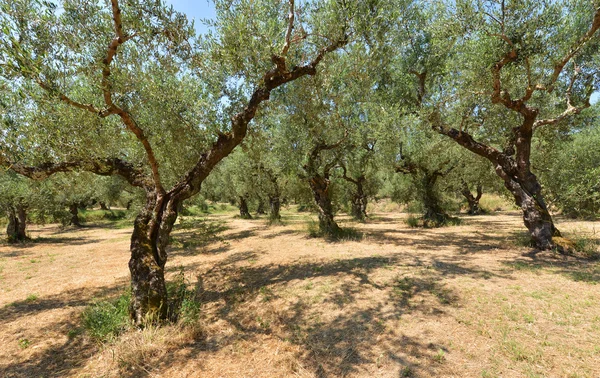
[391, 301]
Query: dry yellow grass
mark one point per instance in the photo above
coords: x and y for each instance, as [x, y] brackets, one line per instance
[464, 301]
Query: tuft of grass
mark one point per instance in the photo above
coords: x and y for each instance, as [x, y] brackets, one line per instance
[106, 320]
[31, 298]
[183, 305]
[588, 246]
[440, 356]
[24, 343]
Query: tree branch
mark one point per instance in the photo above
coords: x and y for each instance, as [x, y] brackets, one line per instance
[560, 65]
[288, 33]
[104, 167]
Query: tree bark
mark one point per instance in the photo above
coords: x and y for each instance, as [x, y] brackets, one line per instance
[472, 200]
[514, 169]
[359, 201]
[74, 211]
[149, 240]
[244, 213]
[434, 215]
[103, 206]
[320, 189]
[17, 224]
[261, 206]
[274, 207]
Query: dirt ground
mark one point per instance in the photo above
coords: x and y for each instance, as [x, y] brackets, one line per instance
[461, 301]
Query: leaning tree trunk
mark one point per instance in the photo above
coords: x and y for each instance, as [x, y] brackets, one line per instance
[473, 201]
[17, 223]
[537, 218]
[74, 211]
[244, 213]
[103, 206]
[274, 207]
[320, 189]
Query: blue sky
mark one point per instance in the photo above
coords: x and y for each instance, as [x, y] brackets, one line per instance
[195, 10]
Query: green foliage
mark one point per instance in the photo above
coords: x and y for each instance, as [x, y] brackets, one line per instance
[105, 320]
[184, 306]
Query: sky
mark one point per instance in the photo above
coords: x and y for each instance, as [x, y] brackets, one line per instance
[195, 10]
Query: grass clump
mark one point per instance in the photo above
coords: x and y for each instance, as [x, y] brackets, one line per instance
[587, 246]
[106, 320]
[184, 308]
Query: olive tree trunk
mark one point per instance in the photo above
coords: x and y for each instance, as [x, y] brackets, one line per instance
[74, 211]
[319, 186]
[17, 223]
[260, 209]
[472, 200]
[243, 205]
[274, 208]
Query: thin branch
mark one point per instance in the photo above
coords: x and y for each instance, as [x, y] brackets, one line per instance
[560, 65]
[290, 28]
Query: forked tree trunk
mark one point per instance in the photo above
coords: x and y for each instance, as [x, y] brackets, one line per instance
[320, 189]
[17, 223]
[244, 213]
[149, 241]
[74, 211]
[472, 200]
[103, 206]
[274, 207]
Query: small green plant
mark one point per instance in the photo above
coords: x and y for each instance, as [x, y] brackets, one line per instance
[183, 305]
[413, 221]
[24, 343]
[440, 356]
[406, 372]
[105, 320]
[313, 230]
[31, 298]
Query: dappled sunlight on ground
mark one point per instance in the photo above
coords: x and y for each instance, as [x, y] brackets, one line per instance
[463, 301]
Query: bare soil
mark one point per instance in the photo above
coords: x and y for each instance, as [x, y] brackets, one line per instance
[461, 301]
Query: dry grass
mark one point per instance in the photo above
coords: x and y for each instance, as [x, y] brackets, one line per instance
[464, 301]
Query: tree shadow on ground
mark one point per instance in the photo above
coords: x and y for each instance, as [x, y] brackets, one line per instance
[573, 268]
[352, 341]
[61, 359]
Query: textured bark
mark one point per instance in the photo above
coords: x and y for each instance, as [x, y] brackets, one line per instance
[243, 205]
[103, 206]
[472, 200]
[514, 167]
[74, 211]
[320, 189]
[149, 241]
[274, 207]
[17, 224]
[434, 215]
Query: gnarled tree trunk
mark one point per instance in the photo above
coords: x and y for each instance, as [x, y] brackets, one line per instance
[243, 205]
[274, 207]
[434, 215]
[17, 223]
[103, 206]
[320, 189]
[472, 200]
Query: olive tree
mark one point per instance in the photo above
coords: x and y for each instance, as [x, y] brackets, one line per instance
[126, 88]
